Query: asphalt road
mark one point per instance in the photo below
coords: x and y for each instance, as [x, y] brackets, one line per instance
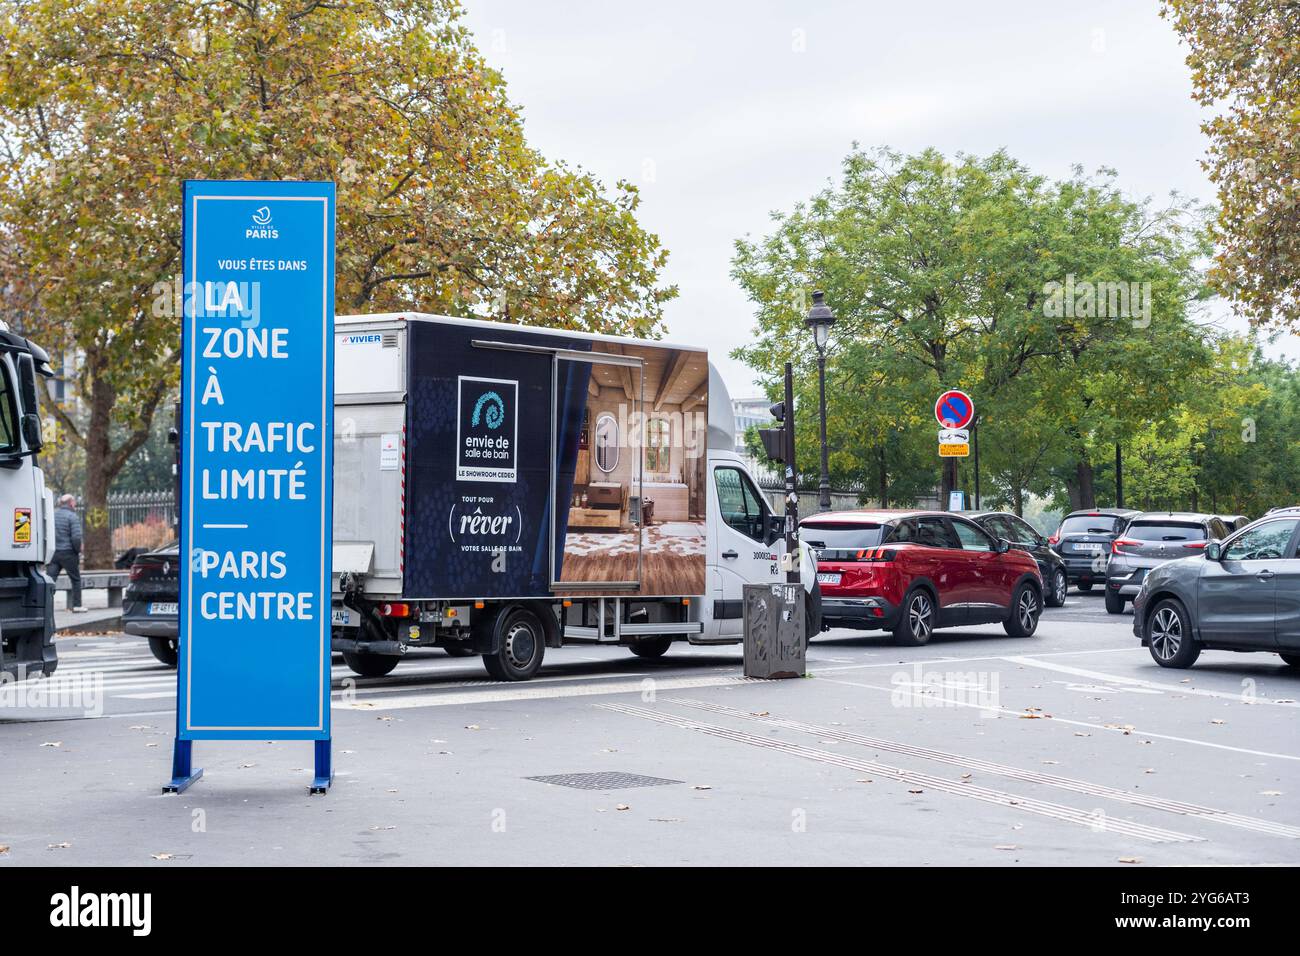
[1070, 747]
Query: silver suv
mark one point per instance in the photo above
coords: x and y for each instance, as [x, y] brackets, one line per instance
[1150, 539]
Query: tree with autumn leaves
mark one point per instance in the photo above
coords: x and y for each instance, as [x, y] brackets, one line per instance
[106, 106]
[1245, 62]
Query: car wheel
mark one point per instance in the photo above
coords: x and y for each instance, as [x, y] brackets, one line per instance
[651, 647]
[1084, 586]
[1169, 635]
[366, 664]
[164, 648]
[1114, 602]
[1056, 595]
[523, 642]
[1292, 659]
[1025, 611]
[915, 619]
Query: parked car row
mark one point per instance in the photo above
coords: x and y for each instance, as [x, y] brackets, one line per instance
[1196, 581]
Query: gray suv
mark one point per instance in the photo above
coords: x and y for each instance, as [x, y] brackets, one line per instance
[1149, 540]
[1242, 594]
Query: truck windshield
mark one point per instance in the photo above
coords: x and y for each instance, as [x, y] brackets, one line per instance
[8, 428]
[829, 539]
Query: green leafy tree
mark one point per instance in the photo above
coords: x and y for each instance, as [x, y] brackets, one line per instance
[1245, 60]
[977, 274]
[107, 105]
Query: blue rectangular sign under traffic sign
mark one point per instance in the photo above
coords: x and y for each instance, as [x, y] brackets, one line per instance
[256, 464]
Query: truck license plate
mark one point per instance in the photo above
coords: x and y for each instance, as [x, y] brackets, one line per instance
[825, 577]
[162, 607]
[343, 617]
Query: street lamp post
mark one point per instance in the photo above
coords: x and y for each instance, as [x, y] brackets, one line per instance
[820, 318]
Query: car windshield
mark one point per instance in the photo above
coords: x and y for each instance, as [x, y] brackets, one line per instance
[1164, 531]
[827, 538]
[1088, 524]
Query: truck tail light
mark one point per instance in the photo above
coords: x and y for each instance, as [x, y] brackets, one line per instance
[395, 610]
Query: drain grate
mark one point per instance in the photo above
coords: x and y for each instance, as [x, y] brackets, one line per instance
[606, 780]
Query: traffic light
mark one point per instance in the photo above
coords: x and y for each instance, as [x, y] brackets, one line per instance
[774, 439]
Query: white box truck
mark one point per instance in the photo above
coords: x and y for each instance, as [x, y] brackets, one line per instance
[501, 489]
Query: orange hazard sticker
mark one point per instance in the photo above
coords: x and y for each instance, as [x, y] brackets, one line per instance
[22, 526]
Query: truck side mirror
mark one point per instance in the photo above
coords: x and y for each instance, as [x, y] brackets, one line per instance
[31, 426]
[775, 529]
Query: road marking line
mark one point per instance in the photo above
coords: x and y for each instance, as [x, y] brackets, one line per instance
[921, 698]
[965, 660]
[986, 766]
[1152, 685]
[536, 693]
[1090, 819]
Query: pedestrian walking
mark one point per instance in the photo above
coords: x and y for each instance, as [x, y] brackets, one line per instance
[67, 549]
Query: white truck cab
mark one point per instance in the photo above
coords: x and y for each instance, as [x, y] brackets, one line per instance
[27, 535]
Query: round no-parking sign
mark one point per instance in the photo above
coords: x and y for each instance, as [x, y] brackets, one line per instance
[954, 409]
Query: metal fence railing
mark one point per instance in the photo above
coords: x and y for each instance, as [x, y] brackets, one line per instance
[135, 519]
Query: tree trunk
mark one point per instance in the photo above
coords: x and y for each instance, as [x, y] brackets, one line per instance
[1083, 478]
[884, 479]
[1018, 501]
[97, 544]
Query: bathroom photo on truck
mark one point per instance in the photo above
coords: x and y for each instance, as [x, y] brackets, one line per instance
[540, 464]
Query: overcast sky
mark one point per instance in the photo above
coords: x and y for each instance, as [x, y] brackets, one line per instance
[724, 110]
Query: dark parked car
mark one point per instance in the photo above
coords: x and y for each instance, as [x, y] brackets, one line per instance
[913, 571]
[1151, 539]
[1083, 540]
[1023, 537]
[1233, 522]
[150, 604]
[1241, 594]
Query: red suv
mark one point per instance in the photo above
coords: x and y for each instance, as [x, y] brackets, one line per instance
[913, 571]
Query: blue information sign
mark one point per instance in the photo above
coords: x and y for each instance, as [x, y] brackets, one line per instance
[256, 463]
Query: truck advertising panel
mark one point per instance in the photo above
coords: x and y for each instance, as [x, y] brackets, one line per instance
[542, 464]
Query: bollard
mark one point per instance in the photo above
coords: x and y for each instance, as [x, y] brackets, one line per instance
[774, 630]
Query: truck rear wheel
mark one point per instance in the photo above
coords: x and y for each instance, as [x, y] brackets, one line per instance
[650, 647]
[164, 648]
[365, 664]
[523, 643]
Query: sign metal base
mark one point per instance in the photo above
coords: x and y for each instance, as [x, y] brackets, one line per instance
[183, 772]
[324, 768]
